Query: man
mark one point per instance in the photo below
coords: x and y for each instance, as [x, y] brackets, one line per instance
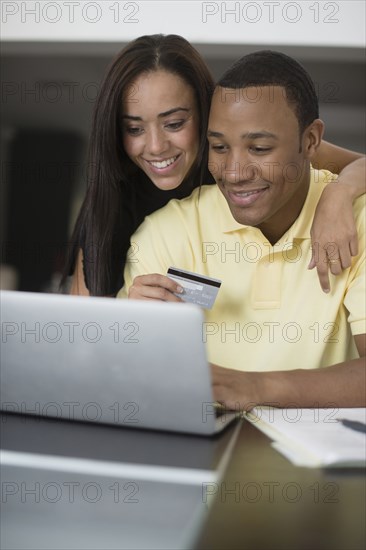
[279, 337]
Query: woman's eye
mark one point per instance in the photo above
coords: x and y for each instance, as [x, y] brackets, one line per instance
[133, 131]
[175, 125]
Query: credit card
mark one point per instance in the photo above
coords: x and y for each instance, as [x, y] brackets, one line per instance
[198, 289]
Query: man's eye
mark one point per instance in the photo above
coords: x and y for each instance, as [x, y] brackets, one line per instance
[218, 148]
[261, 149]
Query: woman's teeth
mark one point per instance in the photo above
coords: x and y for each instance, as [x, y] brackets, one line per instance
[163, 163]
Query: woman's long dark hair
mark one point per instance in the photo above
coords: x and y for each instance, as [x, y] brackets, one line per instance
[110, 212]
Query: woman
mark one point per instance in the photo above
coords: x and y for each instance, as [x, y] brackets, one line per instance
[142, 155]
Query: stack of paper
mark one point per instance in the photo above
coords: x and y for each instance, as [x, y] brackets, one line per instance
[314, 437]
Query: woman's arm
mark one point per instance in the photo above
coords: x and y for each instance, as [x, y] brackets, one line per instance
[333, 158]
[78, 286]
[333, 233]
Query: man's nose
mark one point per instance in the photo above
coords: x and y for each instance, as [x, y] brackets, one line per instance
[239, 168]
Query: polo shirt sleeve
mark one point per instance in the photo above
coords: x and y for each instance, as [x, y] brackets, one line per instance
[161, 241]
[355, 297]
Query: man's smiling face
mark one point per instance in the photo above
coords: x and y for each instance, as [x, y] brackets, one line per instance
[258, 158]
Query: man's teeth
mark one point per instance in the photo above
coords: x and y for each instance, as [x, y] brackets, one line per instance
[163, 163]
[248, 193]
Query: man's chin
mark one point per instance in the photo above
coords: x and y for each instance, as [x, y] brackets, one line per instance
[242, 219]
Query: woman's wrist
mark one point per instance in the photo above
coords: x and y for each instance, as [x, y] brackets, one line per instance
[352, 190]
[353, 179]
[343, 187]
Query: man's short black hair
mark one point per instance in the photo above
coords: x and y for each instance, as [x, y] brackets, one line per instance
[270, 68]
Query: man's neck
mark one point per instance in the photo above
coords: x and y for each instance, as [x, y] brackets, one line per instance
[279, 224]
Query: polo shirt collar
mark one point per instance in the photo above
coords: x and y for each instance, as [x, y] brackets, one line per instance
[300, 228]
[225, 218]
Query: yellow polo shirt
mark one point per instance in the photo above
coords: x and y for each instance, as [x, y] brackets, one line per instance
[270, 312]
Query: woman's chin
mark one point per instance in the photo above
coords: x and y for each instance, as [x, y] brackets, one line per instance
[167, 184]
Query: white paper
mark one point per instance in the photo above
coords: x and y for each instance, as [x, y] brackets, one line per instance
[314, 437]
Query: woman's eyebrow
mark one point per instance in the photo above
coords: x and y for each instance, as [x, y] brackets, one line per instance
[129, 117]
[172, 111]
[160, 115]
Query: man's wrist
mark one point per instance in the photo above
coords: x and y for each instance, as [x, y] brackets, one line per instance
[278, 388]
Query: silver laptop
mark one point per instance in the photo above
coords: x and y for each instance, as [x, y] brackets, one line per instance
[139, 364]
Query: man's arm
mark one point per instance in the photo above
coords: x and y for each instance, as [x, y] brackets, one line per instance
[159, 243]
[154, 287]
[341, 385]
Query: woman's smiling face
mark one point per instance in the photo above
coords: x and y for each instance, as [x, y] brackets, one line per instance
[160, 127]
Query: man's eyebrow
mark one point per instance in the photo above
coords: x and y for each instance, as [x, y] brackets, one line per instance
[211, 133]
[249, 135]
[257, 135]
[160, 115]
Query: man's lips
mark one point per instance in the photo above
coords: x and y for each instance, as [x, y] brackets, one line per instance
[245, 197]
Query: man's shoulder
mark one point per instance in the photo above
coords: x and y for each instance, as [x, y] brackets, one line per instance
[201, 195]
[178, 221]
[359, 209]
[188, 207]
[321, 177]
[360, 204]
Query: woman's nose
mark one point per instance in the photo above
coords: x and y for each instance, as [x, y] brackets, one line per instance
[157, 142]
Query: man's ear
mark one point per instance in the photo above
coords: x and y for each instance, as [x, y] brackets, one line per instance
[312, 137]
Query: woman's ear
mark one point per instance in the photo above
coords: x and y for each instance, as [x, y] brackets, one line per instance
[312, 137]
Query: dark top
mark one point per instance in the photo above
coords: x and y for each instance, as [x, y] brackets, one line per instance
[135, 203]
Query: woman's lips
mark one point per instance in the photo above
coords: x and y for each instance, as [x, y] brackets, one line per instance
[163, 166]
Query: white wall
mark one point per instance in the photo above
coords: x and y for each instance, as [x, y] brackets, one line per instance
[305, 22]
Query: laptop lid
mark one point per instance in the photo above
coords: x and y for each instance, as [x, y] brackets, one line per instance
[123, 362]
